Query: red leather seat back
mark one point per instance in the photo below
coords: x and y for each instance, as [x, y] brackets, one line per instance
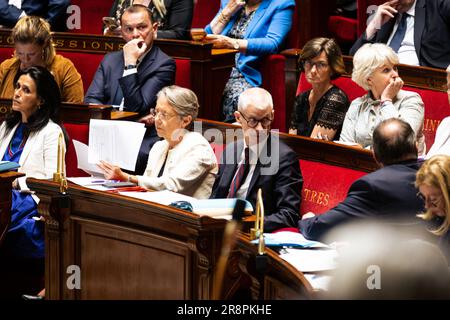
[436, 109]
[351, 89]
[272, 69]
[324, 185]
[183, 73]
[343, 29]
[86, 64]
[204, 12]
[92, 13]
[6, 53]
[78, 132]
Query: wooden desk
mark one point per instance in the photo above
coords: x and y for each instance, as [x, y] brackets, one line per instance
[126, 248]
[279, 281]
[6, 179]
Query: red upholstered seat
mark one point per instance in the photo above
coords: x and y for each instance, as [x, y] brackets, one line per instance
[6, 53]
[183, 73]
[436, 109]
[92, 13]
[343, 29]
[78, 132]
[346, 84]
[272, 70]
[324, 186]
[86, 64]
[204, 12]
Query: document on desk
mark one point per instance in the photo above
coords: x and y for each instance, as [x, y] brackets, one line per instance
[82, 152]
[216, 208]
[115, 141]
[311, 260]
[290, 239]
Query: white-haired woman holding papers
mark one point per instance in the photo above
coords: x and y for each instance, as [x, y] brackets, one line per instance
[183, 161]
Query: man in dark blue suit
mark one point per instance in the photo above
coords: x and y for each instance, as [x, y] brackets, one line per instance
[261, 161]
[387, 194]
[134, 75]
[54, 11]
[424, 38]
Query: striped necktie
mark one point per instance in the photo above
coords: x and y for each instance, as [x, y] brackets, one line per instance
[241, 174]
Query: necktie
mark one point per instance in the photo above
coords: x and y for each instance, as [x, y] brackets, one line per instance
[241, 174]
[399, 34]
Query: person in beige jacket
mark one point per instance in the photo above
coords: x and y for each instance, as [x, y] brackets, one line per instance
[34, 46]
[183, 161]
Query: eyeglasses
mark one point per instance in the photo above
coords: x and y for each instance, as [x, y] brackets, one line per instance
[164, 116]
[320, 65]
[433, 202]
[252, 122]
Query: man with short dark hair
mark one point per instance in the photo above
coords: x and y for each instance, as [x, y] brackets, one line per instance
[134, 75]
[386, 194]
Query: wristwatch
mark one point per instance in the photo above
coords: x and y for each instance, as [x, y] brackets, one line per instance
[130, 66]
[235, 45]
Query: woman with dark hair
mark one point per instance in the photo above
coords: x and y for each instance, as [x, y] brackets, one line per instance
[320, 112]
[29, 136]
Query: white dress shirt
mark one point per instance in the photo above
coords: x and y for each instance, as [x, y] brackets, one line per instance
[407, 52]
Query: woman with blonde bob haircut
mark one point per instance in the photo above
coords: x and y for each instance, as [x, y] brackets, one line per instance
[375, 70]
[34, 46]
[183, 161]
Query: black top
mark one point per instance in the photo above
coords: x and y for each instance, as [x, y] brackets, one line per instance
[329, 112]
[175, 24]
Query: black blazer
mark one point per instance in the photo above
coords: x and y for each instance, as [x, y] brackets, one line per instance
[176, 24]
[156, 71]
[388, 194]
[431, 33]
[280, 190]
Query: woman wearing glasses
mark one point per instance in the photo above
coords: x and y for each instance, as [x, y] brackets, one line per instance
[183, 161]
[375, 70]
[320, 112]
[433, 182]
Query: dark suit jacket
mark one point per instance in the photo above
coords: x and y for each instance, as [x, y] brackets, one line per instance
[156, 71]
[176, 24]
[281, 190]
[431, 33]
[54, 11]
[386, 194]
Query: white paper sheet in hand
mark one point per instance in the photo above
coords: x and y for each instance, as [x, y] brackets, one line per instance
[117, 142]
[82, 151]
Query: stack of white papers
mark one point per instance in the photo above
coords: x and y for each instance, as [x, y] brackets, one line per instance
[311, 260]
[217, 208]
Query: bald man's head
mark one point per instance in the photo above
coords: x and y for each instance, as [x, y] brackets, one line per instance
[394, 141]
